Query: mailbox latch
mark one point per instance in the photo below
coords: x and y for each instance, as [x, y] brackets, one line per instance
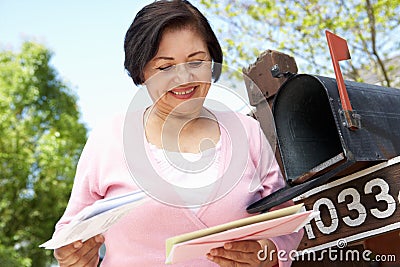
[350, 119]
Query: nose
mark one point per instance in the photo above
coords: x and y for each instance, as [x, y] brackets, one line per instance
[183, 75]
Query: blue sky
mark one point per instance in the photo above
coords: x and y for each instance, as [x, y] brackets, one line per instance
[87, 40]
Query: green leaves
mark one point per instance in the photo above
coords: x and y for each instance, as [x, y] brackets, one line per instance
[41, 140]
[298, 28]
[10, 258]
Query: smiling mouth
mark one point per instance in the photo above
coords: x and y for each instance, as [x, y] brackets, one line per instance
[183, 92]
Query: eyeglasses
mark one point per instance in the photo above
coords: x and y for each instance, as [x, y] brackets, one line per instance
[192, 65]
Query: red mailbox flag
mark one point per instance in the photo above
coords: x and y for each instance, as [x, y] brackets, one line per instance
[337, 46]
[340, 51]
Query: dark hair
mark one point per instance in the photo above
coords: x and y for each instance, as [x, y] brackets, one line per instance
[144, 35]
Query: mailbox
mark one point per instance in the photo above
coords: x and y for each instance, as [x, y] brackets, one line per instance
[312, 133]
[314, 140]
[327, 128]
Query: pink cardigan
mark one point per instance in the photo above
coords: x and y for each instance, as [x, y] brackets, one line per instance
[138, 239]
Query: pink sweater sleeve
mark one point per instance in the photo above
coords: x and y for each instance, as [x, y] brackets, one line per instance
[272, 180]
[85, 188]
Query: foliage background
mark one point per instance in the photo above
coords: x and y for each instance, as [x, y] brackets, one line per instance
[41, 140]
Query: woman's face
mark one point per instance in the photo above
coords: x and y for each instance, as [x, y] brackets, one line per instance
[179, 76]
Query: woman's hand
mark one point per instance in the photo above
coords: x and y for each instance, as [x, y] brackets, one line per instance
[243, 253]
[80, 253]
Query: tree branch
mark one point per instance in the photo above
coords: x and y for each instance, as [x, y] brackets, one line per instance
[371, 17]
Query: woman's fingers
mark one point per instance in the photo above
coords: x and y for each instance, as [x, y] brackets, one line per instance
[67, 254]
[244, 246]
[241, 253]
[80, 253]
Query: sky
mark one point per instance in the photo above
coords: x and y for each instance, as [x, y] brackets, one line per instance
[86, 38]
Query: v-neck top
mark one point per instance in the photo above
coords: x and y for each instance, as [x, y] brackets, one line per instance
[118, 160]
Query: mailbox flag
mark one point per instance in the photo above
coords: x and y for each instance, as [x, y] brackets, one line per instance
[338, 47]
[339, 51]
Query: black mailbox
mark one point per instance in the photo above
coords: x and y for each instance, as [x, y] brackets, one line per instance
[312, 132]
[314, 139]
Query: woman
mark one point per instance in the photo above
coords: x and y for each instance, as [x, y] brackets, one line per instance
[171, 49]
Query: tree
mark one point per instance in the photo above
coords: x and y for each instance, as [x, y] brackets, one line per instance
[10, 258]
[297, 27]
[41, 139]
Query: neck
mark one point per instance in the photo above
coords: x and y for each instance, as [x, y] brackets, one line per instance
[170, 131]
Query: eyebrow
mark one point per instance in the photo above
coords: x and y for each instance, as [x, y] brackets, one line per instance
[171, 58]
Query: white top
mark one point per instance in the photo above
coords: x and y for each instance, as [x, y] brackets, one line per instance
[188, 170]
